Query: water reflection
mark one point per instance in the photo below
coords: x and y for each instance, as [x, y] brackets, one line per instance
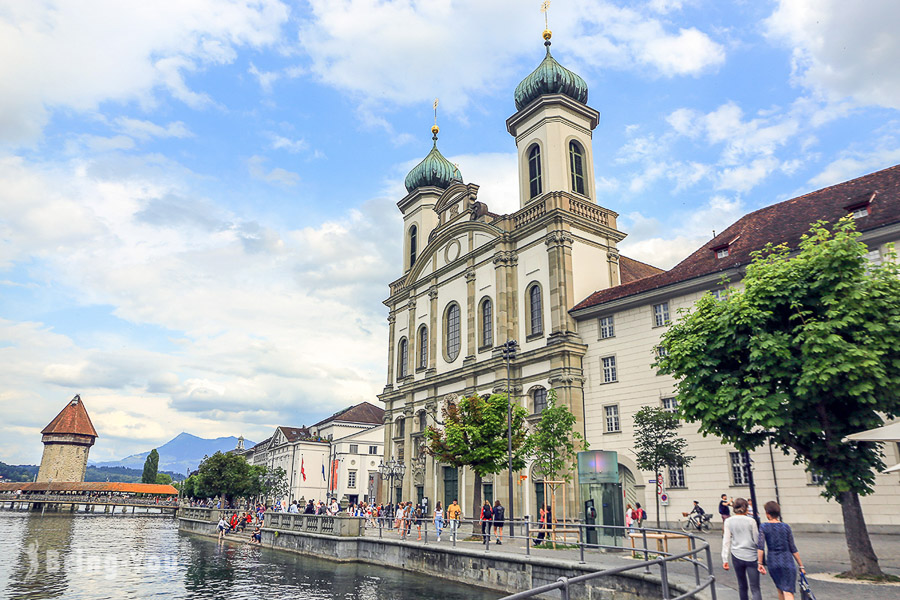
[90, 557]
[40, 569]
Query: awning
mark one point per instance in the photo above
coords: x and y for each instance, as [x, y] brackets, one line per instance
[892, 469]
[888, 433]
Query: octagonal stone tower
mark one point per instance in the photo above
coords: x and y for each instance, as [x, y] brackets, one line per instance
[67, 440]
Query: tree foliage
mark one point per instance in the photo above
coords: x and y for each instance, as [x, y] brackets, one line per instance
[554, 443]
[807, 353]
[163, 479]
[227, 475]
[657, 444]
[151, 466]
[474, 435]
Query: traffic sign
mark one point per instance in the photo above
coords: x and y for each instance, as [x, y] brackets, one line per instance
[664, 499]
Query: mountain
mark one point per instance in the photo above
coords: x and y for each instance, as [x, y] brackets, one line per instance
[27, 472]
[183, 452]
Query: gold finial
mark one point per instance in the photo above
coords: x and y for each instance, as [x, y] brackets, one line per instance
[545, 8]
[435, 128]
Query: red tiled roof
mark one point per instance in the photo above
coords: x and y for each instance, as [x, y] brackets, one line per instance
[632, 270]
[72, 419]
[364, 412]
[92, 486]
[294, 433]
[784, 222]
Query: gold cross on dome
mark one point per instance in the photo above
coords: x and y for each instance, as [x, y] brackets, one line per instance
[545, 8]
[435, 110]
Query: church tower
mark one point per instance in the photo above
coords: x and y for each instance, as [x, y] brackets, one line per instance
[552, 127]
[67, 440]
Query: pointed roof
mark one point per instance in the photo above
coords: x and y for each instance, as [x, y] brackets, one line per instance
[72, 419]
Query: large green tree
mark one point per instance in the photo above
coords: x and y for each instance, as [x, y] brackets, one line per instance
[807, 353]
[151, 466]
[474, 435]
[228, 475]
[657, 444]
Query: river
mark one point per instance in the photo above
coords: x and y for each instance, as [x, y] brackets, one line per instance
[94, 557]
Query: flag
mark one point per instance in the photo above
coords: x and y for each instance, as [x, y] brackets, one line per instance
[302, 470]
[323, 473]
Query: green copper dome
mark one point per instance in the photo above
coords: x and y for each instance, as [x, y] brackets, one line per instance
[434, 170]
[550, 78]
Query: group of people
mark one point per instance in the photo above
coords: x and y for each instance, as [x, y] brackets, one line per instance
[237, 524]
[744, 546]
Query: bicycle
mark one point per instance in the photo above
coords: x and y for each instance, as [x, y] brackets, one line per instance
[695, 522]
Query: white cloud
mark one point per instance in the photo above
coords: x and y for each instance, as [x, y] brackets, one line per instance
[279, 142]
[145, 130]
[78, 55]
[846, 50]
[265, 78]
[257, 170]
[885, 152]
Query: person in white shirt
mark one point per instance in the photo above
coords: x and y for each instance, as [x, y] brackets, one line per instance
[740, 534]
[222, 527]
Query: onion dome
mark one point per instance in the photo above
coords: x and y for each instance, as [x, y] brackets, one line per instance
[434, 170]
[550, 78]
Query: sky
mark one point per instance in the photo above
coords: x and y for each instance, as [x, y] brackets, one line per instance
[198, 218]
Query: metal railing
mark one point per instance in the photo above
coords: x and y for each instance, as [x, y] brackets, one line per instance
[585, 537]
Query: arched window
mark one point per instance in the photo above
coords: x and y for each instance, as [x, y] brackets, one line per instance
[487, 323]
[576, 167]
[423, 420]
[400, 429]
[535, 310]
[403, 358]
[534, 170]
[413, 240]
[423, 347]
[451, 331]
[540, 399]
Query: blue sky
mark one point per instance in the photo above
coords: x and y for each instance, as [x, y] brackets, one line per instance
[198, 198]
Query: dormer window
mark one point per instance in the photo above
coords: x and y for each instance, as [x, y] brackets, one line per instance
[859, 206]
[860, 211]
[722, 252]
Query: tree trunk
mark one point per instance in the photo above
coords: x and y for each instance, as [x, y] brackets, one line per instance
[863, 561]
[476, 506]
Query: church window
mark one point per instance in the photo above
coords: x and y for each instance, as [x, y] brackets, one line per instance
[534, 170]
[423, 347]
[540, 400]
[576, 167]
[487, 323]
[535, 310]
[403, 360]
[451, 331]
[413, 240]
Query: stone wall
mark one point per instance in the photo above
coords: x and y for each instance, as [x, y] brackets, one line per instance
[63, 462]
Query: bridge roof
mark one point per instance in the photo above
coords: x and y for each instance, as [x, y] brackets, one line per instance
[91, 486]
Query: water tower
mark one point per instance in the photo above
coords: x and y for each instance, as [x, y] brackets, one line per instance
[67, 440]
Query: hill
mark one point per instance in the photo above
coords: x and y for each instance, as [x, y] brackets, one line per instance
[183, 452]
[118, 474]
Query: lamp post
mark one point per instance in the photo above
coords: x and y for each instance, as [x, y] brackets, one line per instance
[509, 353]
[392, 470]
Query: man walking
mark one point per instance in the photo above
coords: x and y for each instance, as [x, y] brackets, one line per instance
[724, 511]
[453, 514]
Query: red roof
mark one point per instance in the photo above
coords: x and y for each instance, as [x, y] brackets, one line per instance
[364, 412]
[632, 270]
[72, 419]
[784, 222]
[92, 486]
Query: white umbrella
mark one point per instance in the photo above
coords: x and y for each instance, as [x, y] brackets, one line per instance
[888, 433]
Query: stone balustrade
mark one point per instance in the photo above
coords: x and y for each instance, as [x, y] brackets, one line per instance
[339, 525]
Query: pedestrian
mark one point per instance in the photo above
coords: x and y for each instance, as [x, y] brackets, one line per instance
[453, 514]
[487, 516]
[780, 540]
[724, 511]
[639, 514]
[499, 517]
[739, 548]
[629, 517]
[542, 525]
[420, 516]
[222, 526]
[438, 519]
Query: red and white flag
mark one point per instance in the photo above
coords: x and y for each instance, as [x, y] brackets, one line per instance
[302, 470]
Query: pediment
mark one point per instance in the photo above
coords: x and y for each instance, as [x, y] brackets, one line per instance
[439, 242]
[456, 202]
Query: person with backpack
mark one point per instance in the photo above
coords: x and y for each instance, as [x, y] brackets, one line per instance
[639, 514]
[499, 517]
[487, 516]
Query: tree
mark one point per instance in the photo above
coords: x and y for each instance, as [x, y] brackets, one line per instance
[163, 479]
[474, 435]
[151, 466]
[274, 483]
[227, 475]
[656, 443]
[806, 354]
[553, 444]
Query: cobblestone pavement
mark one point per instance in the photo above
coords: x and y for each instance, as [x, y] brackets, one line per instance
[822, 553]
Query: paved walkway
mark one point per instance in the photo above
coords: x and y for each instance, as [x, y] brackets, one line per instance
[822, 553]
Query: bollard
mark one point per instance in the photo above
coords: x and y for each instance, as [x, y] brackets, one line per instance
[426, 532]
[527, 538]
[664, 576]
[581, 543]
[646, 554]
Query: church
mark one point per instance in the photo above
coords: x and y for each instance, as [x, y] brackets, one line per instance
[587, 320]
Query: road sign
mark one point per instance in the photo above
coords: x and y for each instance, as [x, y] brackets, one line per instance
[651, 481]
[664, 499]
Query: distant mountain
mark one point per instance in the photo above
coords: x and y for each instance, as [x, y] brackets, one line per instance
[121, 474]
[183, 452]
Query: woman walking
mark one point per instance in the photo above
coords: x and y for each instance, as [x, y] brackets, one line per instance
[739, 548]
[780, 540]
[438, 519]
[499, 518]
[542, 525]
[487, 515]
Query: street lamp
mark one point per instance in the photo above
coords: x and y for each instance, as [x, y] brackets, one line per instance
[391, 471]
[509, 353]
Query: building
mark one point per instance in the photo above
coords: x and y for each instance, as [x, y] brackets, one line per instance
[588, 320]
[67, 441]
[622, 326]
[337, 456]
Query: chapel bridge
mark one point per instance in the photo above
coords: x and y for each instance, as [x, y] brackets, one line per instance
[90, 497]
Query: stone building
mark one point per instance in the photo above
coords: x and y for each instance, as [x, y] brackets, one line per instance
[67, 441]
[588, 320]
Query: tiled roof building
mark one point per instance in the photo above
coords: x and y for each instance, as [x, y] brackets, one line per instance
[67, 441]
